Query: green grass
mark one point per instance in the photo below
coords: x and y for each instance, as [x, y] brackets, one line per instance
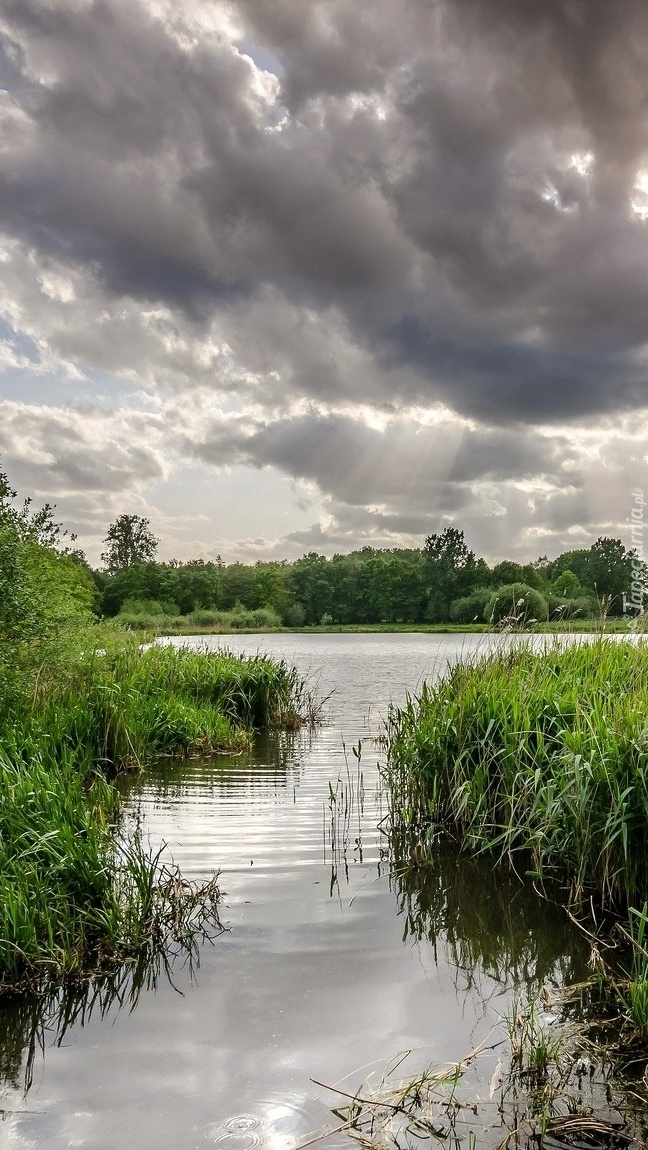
[539, 759]
[122, 705]
[74, 898]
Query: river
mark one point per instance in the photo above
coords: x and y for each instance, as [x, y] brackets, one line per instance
[332, 963]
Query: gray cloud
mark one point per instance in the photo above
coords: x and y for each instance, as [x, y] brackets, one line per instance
[405, 476]
[428, 203]
[87, 460]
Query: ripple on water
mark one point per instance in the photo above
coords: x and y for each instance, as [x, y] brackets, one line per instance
[242, 1132]
[280, 1124]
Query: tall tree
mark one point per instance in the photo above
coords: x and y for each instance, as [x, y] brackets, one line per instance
[129, 541]
[452, 571]
[611, 571]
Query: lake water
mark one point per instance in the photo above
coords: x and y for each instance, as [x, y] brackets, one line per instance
[334, 961]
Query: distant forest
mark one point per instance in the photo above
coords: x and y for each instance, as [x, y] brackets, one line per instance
[444, 581]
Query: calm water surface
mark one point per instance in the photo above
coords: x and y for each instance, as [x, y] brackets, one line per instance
[334, 961]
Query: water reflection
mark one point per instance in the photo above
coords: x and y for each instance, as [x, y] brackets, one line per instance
[304, 983]
[275, 761]
[33, 1023]
[488, 921]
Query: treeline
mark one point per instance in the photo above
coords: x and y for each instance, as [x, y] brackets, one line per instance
[444, 581]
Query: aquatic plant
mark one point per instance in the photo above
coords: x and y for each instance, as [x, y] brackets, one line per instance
[552, 1085]
[118, 705]
[74, 897]
[537, 759]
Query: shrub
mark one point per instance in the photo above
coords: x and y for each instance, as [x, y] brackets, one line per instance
[207, 617]
[470, 608]
[295, 615]
[517, 604]
[150, 608]
[241, 618]
[582, 607]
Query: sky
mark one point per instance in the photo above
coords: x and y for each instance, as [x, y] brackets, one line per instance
[296, 275]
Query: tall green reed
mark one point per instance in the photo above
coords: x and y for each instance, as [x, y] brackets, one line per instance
[74, 898]
[540, 759]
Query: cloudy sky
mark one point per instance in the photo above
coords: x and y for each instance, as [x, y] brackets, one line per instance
[285, 275]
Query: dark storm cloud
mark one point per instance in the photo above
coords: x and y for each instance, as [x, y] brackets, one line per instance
[491, 103]
[154, 165]
[509, 383]
[437, 200]
[333, 48]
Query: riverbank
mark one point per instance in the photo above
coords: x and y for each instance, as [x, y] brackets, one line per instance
[182, 626]
[74, 897]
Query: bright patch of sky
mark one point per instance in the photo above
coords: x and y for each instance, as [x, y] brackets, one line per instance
[202, 503]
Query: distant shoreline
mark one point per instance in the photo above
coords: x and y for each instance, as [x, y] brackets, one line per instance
[578, 626]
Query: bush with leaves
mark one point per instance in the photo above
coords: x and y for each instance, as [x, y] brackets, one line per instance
[46, 592]
[516, 604]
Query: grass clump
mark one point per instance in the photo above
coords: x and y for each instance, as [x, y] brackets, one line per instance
[73, 900]
[119, 705]
[74, 897]
[540, 759]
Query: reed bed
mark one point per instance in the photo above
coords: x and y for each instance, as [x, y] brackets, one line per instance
[537, 759]
[121, 705]
[74, 897]
[73, 900]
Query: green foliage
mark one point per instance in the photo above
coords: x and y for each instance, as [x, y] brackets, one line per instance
[610, 571]
[70, 901]
[295, 615]
[603, 571]
[367, 586]
[470, 608]
[452, 568]
[122, 705]
[129, 541]
[584, 607]
[507, 572]
[542, 756]
[54, 881]
[147, 609]
[74, 699]
[151, 616]
[567, 585]
[634, 990]
[516, 605]
[46, 593]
